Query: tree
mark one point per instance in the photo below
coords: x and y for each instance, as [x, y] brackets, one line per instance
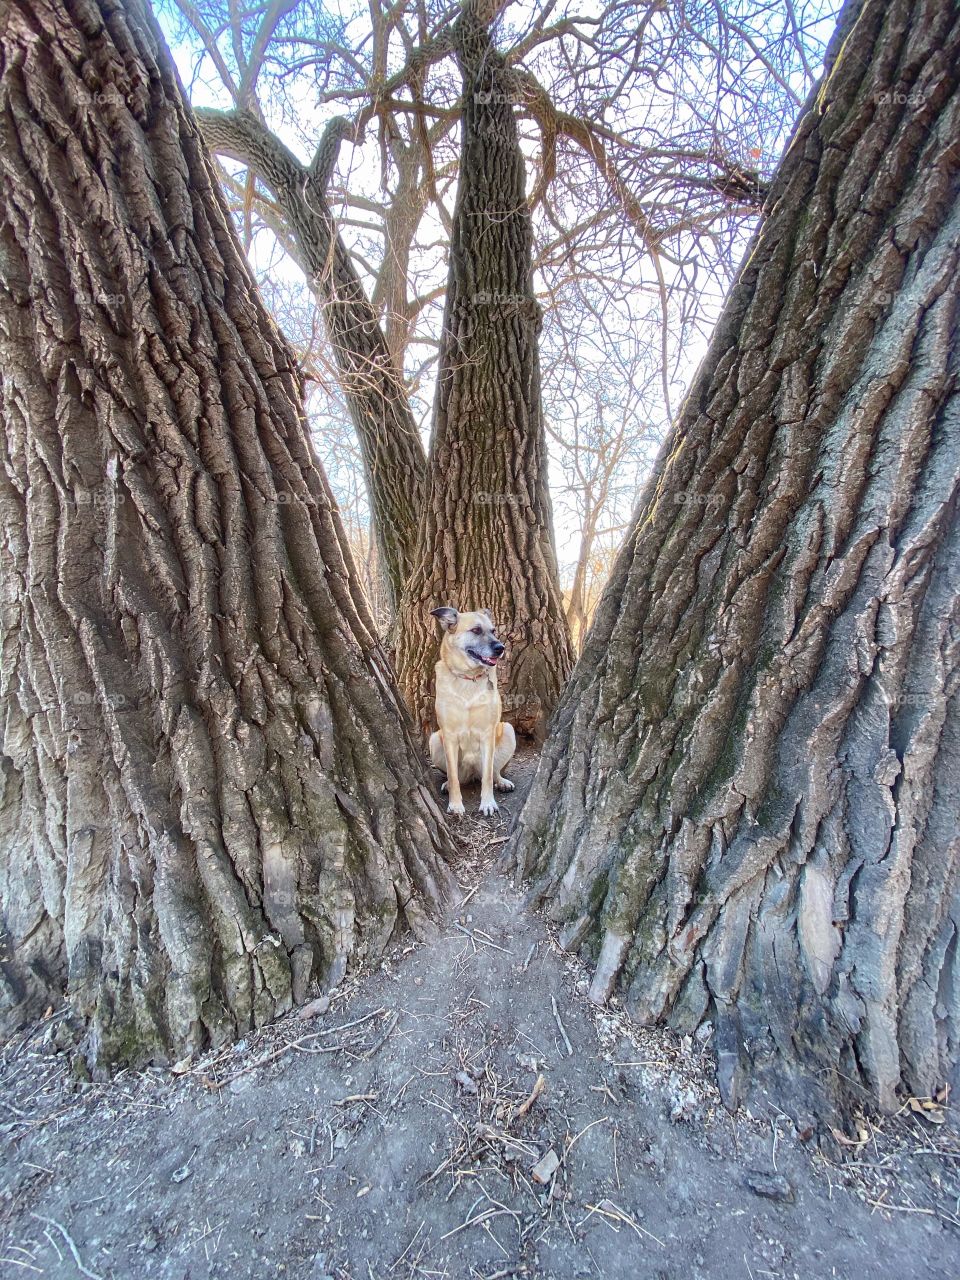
[210, 794]
[645, 129]
[747, 814]
[487, 535]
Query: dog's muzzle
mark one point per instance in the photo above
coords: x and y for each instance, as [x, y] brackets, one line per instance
[489, 655]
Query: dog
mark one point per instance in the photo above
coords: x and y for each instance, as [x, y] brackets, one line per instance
[472, 741]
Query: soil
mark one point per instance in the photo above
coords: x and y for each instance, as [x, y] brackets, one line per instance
[396, 1134]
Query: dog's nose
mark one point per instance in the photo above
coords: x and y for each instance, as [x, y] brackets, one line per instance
[497, 648]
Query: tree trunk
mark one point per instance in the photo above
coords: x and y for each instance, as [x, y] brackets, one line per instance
[210, 796]
[748, 813]
[394, 461]
[487, 534]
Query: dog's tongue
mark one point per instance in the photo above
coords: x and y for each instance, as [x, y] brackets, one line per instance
[490, 662]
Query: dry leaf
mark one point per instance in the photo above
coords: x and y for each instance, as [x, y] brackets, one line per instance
[849, 1142]
[931, 1111]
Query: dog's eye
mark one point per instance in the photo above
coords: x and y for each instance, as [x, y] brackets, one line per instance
[478, 631]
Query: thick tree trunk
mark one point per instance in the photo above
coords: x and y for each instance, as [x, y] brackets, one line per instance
[487, 535]
[749, 812]
[394, 461]
[210, 796]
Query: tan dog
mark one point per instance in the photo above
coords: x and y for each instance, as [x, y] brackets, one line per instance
[472, 742]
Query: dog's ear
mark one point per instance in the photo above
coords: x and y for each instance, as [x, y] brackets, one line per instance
[487, 613]
[448, 617]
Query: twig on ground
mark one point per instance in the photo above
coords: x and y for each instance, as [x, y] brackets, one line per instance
[464, 901]
[475, 936]
[480, 1220]
[562, 1028]
[70, 1245]
[394, 1019]
[607, 1209]
[413, 1241]
[535, 1093]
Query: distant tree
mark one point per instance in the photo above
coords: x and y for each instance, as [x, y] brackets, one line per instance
[210, 793]
[748, 813]
[487, 535]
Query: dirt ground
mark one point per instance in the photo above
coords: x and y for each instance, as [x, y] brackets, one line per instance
[400, 1134]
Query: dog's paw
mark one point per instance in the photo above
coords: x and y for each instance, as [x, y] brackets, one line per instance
[489, 807]
[457, 809]
[503, 784]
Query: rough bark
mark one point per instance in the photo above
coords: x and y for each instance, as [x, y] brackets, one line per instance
[210, 794]
[371, 376]
[748, 813]
[487, 532]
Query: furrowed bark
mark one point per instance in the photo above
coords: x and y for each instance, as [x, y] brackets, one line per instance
[393, 456]
[210, 793]
[487, 534]
[748, 812]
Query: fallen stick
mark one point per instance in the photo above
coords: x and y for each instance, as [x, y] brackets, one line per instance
[472, 1222]
[395, 1018]
[563, 1030]
[293, 1046]
[70, 1245]
[535, 1093]
[483, 941]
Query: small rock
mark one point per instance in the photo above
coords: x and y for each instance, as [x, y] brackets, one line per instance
[772, 1186]
[546, 1167]
[315, 1008]
[466, 1082]
[181, 1174]
[683, 1105]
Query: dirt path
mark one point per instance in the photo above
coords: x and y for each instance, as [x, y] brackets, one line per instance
[395, 1136]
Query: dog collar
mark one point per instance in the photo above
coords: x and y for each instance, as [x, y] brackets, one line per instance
[484, 671]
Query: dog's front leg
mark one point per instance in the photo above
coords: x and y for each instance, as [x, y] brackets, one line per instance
[451, 749]
[488, 804]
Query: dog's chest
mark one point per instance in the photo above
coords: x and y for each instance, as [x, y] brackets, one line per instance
[471, 704]
[478, 703]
